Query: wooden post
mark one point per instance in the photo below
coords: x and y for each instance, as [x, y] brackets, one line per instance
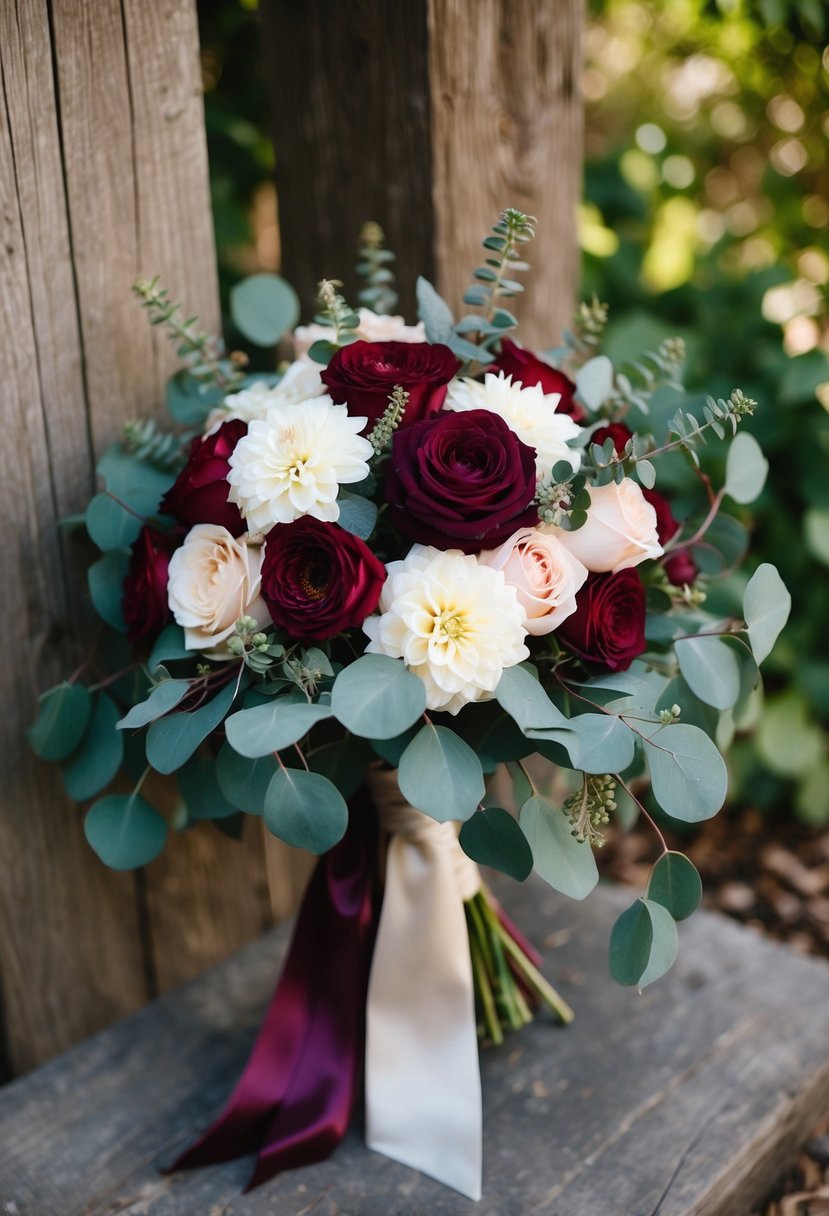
[428, 116]
[103, 178]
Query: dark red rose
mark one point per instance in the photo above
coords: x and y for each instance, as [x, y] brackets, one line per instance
[617, 431]
[318, 579]
[199, 493]
[680, 566]
[461, 480]
[363, 375]
[145, 585]
[608, 626]
[523, 365]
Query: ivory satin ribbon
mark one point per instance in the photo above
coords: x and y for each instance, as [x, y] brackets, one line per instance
[423, 1084]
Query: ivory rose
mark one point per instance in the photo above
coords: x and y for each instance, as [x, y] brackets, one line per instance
[545, 575]
[620, 531]
[213, 580]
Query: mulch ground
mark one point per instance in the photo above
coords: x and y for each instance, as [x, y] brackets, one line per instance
[773, 876]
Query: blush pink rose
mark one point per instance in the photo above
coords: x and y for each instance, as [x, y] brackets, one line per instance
[620, 531]
[545, 575]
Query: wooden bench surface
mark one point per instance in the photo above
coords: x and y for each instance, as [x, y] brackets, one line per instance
[689, 1099]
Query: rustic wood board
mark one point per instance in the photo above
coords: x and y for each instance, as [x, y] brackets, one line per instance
[685, 1101]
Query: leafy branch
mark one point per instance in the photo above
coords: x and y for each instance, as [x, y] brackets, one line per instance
[636, 382]
[374, 268]
[583, 340]
[164, 450]
[203, 353]
[335, 313]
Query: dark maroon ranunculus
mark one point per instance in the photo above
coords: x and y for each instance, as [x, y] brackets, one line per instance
[144, 594]
[461, 480]
[363, 375]
[617, 431]
[608, 626]
[523, 365]
[318, 579]
[680, 567]
[199, 493]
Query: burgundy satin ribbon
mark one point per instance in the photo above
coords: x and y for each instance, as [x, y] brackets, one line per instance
[293, 1102]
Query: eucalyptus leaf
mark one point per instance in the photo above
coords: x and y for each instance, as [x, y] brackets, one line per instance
[264, 307]
[136, 482]
[172, 740]
[688, 774]
[766, 607]
[493, 838]
[357, 514]
[280, 723]
[604, 743]
[440, 775]
[164, 697]
[676, 885]
[61, 720]
[746, 469]
[594, 382]
[125, 831]
[377, 697]
[98, 758]
[523, 698]
[189, 400]
[643, 944]
[110, 524]
[434, 312]
[711, 670]
[305, 810]
[199, 786]
[563, 862]
[245, 782]
[391, 750]
[168, 647]
[106, 587]
[344, 762]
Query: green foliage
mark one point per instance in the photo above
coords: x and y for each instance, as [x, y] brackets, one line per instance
[766, 607]
[676, 885]
[643, 944]
[98, 757]
[201, 790]
[263, 308]
[173, 739]
[245, 782]
[125, 831]
[202, 353]
[440, 775]
[374, 267]
[746, 469]
[163, 697]
[281, 723]
[376, 697]
[110, 524]
[357, 514]
[565, 863]
[688, 774]
[344, 762]
[105, 579]
[710, 669]
[305, 810]
[61, 721]
[493, 838]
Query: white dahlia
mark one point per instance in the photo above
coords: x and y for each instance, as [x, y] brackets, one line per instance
[373, 327]
[300, 382]
[456, 624]
[529, 412]
[293, 462]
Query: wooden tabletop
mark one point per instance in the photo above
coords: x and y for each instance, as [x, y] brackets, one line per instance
[688, 1099]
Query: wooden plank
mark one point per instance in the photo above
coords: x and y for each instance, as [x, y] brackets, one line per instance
[349, 99]
[135, 126]
[507, 130]
[70, 952]
[684, 1101]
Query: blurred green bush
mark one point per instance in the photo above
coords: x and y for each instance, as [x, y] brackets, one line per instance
[706, 215]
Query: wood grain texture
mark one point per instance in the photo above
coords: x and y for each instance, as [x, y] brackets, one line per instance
[349, 99]
[507, 116]
[103, 177]
[70, 955]
[685, 1101]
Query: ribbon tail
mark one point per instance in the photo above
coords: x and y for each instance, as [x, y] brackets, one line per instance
[423, 1085]
[294, 1099]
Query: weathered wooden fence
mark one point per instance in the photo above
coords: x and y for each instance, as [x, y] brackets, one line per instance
[103, 177]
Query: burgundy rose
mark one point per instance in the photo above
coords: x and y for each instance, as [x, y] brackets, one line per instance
[608, 626]
[318, 579]
[461, 480]
[363, 375]
[145, 585]
[680, 566]
[617, 431]
[530, 370]
[199, 493]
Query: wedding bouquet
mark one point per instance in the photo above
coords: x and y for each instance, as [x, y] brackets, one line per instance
[351, 591]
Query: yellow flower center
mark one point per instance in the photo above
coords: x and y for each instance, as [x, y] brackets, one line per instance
[450, 625]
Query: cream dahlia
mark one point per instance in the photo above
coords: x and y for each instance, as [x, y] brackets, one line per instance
[293, 462]
[373, 327]
[529, 412]
[300, 382]
[455, 623]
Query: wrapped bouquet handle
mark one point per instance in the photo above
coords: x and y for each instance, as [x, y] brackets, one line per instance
[423, 1085]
